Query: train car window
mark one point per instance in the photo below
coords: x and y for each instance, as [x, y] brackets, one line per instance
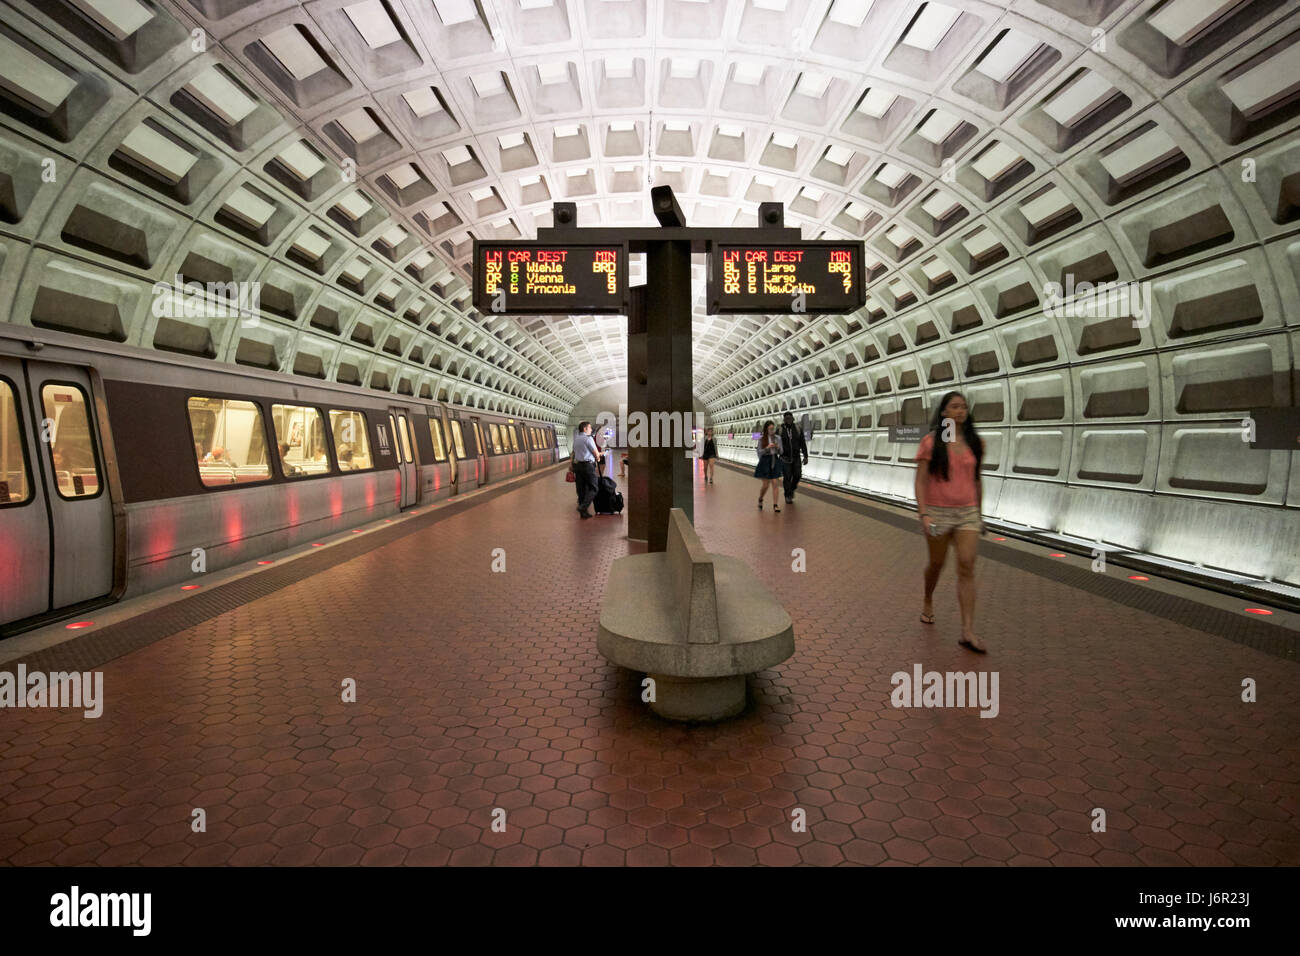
[229, 441]
[318, 440]
[406, 437]
[435, 435]
[458, 437]
[14, 488]
[351, 439]
[300, 441]
[514, 439]
[495, 432]
[397, 445]
[72, 449]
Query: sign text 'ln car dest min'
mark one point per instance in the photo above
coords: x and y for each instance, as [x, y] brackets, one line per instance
[538, 278]
[786, 277]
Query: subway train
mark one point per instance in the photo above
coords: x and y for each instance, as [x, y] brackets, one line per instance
[123, 470]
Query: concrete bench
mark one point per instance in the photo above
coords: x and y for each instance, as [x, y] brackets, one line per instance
[697, 623]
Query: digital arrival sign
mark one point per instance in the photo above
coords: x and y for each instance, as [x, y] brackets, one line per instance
[541, 278]
[762, 278]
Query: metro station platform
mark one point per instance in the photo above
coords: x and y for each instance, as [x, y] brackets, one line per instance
[479, 689]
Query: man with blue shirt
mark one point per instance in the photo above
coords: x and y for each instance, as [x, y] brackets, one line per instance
[583, 465]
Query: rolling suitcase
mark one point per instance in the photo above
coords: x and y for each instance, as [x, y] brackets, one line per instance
[609, 500]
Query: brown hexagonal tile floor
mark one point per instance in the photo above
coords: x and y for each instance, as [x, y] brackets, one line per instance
[488, 731]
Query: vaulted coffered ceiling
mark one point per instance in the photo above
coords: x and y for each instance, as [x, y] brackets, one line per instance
[979, 149]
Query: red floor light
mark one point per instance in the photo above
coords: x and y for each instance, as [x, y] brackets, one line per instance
[266, 562]
[190, 587]
[356, 530]
[317, 544]
[1257, 610]
[1057, 554]
[1138, 577]
[999, 539]
[77, 625]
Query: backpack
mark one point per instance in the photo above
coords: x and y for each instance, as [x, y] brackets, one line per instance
[609, 500]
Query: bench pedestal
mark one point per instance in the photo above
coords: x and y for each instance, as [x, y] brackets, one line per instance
[698, 698]
[696, 623]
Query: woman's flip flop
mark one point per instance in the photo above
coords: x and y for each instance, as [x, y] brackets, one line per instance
[927, 618]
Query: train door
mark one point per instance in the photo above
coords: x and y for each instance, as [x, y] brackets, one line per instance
[522, 440]
[442, 438]
[463, 479]
[56, 513]
[526, 431]
[481, 450]
[399, 420]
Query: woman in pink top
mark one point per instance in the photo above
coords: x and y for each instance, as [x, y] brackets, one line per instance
[948, 498]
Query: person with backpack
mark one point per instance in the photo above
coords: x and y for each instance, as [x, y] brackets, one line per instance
[604, 496]
[583, 466]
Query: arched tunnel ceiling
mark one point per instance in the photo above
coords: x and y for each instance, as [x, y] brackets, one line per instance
[980, 149]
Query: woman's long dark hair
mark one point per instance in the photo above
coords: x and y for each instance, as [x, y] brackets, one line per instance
[939, 454]
[763, 443]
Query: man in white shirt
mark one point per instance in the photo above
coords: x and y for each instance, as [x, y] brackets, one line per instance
[585, 455]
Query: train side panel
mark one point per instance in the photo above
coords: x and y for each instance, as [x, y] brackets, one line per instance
[173, 541]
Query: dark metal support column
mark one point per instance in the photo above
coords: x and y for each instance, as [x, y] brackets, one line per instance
[638, 458]
[669, 381]
[660, 373]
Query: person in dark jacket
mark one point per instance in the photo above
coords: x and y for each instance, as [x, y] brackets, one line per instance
[793, 447]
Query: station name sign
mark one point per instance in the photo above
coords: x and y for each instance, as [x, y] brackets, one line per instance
[903, 434]
[539, 278]
[816, 277]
